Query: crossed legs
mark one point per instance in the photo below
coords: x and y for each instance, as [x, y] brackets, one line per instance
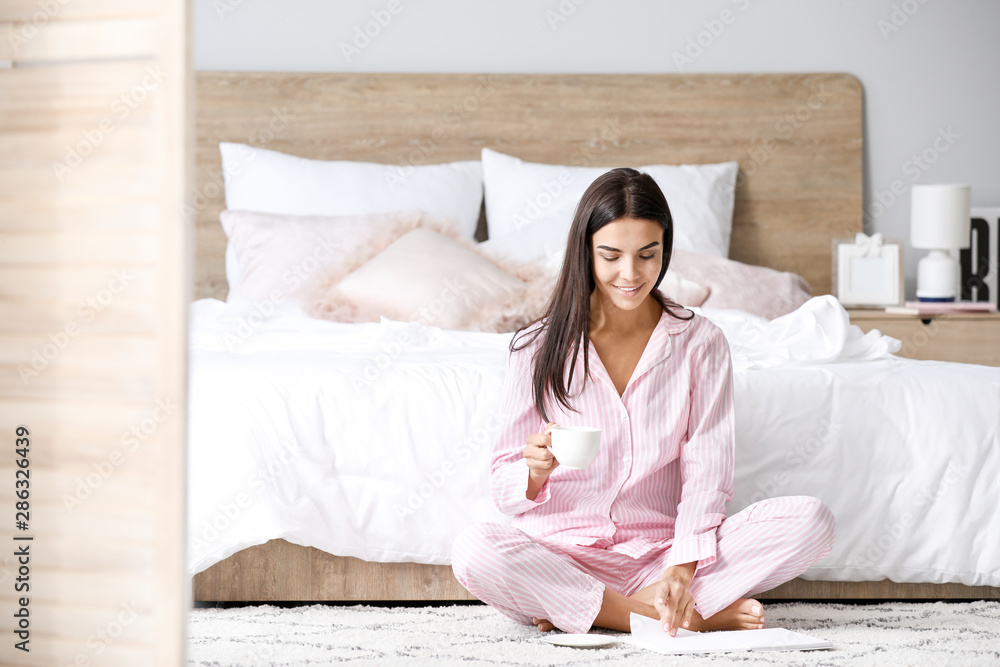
[573, 588]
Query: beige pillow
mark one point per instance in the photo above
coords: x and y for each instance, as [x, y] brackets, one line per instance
[427, 277]
[420, 278]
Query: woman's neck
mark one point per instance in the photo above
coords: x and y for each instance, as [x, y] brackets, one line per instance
[608, 319]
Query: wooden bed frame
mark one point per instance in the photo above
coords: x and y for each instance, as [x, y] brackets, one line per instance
[798, 139]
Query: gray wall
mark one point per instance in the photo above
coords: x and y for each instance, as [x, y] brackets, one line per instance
[930, 68]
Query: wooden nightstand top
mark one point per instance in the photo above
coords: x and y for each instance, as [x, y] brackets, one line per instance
[970, 338]
[872, 314]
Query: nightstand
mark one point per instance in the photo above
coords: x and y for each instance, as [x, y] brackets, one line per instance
[970, 338]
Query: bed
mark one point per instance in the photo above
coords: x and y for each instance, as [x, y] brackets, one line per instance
[333, 525]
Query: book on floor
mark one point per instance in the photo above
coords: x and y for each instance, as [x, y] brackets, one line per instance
[648, 634]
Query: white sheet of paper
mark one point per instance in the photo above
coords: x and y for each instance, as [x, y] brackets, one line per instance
[647, 634]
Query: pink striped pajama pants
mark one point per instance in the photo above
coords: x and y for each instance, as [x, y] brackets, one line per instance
[523, 577]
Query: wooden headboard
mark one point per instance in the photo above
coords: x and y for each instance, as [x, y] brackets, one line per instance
[797, 137]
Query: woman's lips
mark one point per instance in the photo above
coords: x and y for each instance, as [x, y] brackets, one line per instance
[627, 292]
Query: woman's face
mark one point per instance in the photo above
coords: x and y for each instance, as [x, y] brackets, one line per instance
[627, 258]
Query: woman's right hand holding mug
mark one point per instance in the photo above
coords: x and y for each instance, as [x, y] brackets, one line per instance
[538, 456]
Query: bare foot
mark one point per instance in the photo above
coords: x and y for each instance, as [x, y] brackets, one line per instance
[744, 614]
[543, 624]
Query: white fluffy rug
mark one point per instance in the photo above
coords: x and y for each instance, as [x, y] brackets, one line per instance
[886, 634]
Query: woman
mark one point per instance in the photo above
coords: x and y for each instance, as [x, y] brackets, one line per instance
[643, 528]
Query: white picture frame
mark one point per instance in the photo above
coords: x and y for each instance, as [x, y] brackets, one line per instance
[869, 273]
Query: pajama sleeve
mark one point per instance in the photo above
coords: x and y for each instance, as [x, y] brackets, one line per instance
[707, 457]
[509, 470]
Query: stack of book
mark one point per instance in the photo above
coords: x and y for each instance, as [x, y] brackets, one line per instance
[939, 307]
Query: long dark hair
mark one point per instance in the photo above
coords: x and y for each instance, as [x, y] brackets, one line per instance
[619, 193]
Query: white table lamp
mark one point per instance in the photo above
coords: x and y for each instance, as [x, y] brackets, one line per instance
[939, 222]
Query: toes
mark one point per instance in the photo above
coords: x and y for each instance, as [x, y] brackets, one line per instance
[750, 621]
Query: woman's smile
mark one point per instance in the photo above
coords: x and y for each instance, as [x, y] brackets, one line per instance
[629, 292]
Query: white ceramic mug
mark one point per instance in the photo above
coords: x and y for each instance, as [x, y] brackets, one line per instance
[575, 447]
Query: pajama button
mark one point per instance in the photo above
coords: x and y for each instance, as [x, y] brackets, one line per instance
[626, 459]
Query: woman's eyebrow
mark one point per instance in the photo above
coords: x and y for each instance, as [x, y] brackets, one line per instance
[645, 247]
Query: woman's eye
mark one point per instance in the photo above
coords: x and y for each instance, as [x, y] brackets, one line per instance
[612, 259]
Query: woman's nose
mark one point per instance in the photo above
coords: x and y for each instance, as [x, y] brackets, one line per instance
[629, 270]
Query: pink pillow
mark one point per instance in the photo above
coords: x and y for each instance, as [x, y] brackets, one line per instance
[734, 285]
[435, 276]
[286, 258]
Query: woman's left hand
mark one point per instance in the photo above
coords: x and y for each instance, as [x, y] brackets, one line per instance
[672, 598]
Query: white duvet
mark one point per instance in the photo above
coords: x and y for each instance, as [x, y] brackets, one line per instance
[372, 440]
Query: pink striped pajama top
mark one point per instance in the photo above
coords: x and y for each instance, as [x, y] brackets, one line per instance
[665, 468]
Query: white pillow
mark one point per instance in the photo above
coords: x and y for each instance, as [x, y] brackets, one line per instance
[539, 200]
[534, 243]
[267, 181]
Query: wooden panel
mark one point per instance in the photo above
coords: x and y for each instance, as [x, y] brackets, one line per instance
[37, 13]
[80, 96]
[92, 554]
[102, 489]
[103, 516]
[61, 41]
[120, 315]
[176, 151]
[75, 283]
[131, 625]
[253, 574]
[59, 152]
[128, 623]
[108, 353]
[963, 338]
[19, 381]
[85, 432]
[5, 50]
[82, 588]
[125, 249]
[54, 649]
[94, 169]
[99, 174]
[80, 213]
[798, 138]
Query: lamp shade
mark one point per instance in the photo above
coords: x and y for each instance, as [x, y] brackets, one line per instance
[939, 216]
